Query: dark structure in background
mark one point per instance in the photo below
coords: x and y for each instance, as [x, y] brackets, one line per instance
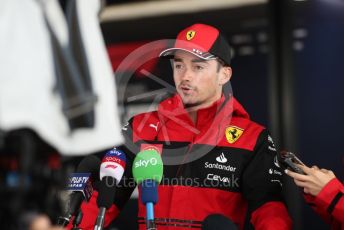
[286, 72]
[282, 100]
[29, 167]
[318, 91]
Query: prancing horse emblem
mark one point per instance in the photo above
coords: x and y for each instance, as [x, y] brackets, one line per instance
[233, 133]
[190, 35]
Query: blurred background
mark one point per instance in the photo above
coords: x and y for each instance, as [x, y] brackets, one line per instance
[287, 73]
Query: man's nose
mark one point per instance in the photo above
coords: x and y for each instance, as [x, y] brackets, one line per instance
[187, 75]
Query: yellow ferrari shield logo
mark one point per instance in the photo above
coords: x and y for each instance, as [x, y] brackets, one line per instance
[190, 35]
[233, 133]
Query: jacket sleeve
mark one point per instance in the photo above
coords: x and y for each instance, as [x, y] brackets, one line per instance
[329, 203]
[262, 187]
[123, 192]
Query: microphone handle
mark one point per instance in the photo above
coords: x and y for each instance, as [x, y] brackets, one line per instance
[150, 224]
[76, 199]
[77, 220]
[100, 219]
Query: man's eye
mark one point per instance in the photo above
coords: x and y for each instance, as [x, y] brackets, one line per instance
[178, 66]
[199, 67]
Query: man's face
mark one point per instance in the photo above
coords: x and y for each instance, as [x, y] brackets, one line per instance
[198, 82]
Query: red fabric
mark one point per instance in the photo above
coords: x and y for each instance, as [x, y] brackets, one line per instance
[271, 215]
[194, 203]
[90, 212]
[322, 201]
[156, 147]
[204, 37]
[321, 211]
[119, 53]
[173, 119]
[178, 202]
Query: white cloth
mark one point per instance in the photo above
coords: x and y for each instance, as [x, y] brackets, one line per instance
[27, 78]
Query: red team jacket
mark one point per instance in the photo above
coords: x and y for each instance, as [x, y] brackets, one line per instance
[329, 204]
[224, 164]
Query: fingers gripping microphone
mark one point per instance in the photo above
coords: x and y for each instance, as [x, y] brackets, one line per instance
[111, 172]
[147, 172]
[80, 184]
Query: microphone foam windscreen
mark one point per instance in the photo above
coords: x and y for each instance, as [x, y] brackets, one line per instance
[106, 195]
[113, 164]
[90, 164]
[147, 165]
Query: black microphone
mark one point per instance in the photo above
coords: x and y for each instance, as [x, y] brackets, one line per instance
[111, 172]
[218, 222]
[81, 187]
[77, 220]
[106, 194]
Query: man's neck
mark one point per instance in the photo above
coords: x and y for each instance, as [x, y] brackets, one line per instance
[193, 116]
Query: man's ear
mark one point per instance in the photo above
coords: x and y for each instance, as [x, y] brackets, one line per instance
[225, 75]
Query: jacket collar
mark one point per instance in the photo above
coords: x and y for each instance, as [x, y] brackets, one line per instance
[173, 109]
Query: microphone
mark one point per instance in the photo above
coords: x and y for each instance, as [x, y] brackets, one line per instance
[218, 222]
[147, 171]
[111, 172]
[81, 186]
[81, 182]
[77, 220]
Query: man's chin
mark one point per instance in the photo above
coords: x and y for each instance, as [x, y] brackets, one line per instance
[191, 105]
[187, 102]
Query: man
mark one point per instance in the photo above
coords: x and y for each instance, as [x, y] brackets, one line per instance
[324, 192]
[223, 161]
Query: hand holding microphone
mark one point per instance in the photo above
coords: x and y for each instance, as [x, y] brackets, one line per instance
[147, 172]
[111, 172]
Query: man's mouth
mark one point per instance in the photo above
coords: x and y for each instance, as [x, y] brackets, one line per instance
[186, 89]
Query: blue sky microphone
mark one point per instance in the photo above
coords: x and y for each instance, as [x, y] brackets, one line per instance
[147, 172]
